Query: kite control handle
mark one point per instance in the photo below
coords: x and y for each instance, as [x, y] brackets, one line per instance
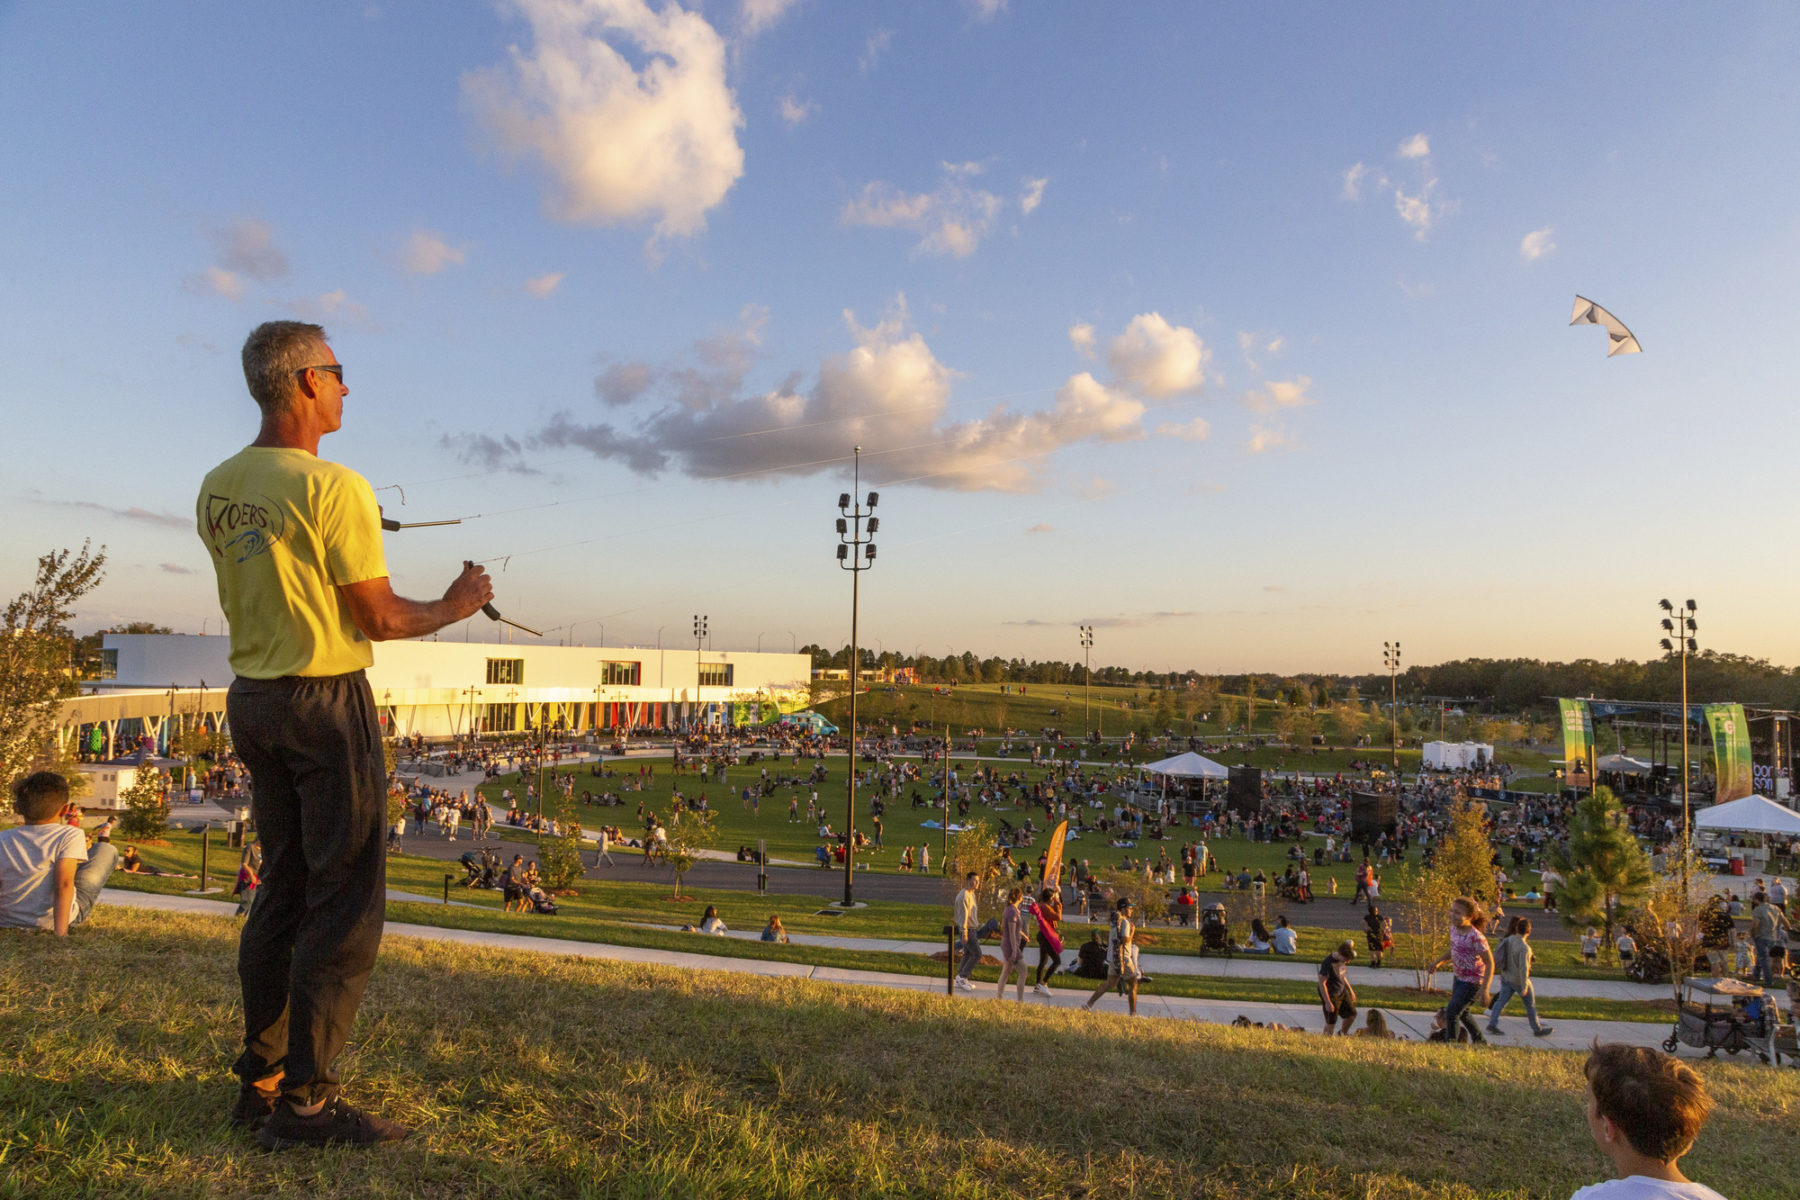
[493, 614]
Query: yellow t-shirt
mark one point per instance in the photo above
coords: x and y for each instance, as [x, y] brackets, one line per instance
[285, 529]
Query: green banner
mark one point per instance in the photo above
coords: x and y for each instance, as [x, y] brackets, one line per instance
[1731, 750]
[1578, 738]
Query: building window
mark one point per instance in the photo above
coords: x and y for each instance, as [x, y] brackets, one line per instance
[621, 674]
[499, 718]
[109, 664]
[715, 674]
[506, 670]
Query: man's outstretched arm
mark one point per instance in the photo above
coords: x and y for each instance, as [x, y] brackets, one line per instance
[385, 617]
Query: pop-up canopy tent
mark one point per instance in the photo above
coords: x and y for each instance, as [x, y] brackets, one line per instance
[1187, 766]
[1623, 764]
[1457, 756]
[1752, 814]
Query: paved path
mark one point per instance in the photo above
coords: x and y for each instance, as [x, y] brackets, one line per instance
[1568, 1035]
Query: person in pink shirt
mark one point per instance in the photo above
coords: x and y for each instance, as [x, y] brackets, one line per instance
[1012, 943]
[1472, 967]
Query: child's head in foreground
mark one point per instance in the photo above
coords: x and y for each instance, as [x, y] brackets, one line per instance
[40, 797]
[1648, 1099]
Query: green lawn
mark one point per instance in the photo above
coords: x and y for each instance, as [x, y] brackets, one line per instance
[536, 1075]
[615, 910]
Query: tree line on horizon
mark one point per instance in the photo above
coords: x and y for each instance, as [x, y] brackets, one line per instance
[1510, 685]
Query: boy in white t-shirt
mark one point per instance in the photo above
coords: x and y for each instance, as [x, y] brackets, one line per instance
[48, 879]
[1644, 1109]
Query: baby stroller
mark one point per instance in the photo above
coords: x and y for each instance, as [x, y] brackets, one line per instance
[1215, 931]
[483, 869]
[541, 903]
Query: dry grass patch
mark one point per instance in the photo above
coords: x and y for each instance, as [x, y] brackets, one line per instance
[531, 1075]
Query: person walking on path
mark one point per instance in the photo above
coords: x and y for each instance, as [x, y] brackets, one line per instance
[1048, 911]
[1513, 962]
[1012, 943]
[1121, 956]
[1378, 931]
[1472, 966]
[603, 848]
[965, 912]
[1336, 996]
[295, 543]
[1766, 924]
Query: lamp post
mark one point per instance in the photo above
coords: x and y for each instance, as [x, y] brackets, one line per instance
[1087, 659]
[855, 554]
[1390, 658]
[1680, 627]
[699, 637]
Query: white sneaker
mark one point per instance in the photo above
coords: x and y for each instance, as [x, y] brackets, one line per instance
[1041, 989]
[964, 985]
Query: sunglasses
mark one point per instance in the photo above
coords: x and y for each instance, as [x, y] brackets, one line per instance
[334, 368]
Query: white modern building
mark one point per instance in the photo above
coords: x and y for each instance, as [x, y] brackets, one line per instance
[442, 689]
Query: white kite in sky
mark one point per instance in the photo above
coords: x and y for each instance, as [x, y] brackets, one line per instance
[1589, 313]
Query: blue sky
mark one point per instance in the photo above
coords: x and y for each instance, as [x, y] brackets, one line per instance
[1240, 332]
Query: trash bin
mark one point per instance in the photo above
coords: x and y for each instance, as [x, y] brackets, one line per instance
[1737, 866]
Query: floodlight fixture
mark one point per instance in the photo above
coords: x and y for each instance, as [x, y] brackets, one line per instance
[843, 499]
[842, 525]
[870, 552]
[874, 498]
[1666, 606]
[1668, 625]
[843, 553]
[1692, 607]
[1667, 645]
[874, 524]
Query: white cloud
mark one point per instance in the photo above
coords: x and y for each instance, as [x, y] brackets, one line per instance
[330, 304]
[1081, 336]
[987, 10]
[1276, 395]
[888, 393]
[1097, 488]
[1537, 243]
[1276, 344]
[1418, 204]
[1263, 440]
[1157, 359]
[617, 143]
[1042, 529]
[1196, 430]
[875, 47]
[426, 253]
[1417, 209]
[794, 110]
[219, 282]
[245, 250]
[248, 248]
[754, 16]
[1033, 195]
[950, 219]
[544, 284]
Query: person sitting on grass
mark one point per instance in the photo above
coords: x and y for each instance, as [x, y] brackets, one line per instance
[710, 922]
[1375, 1026]
[775, 931]
[48, 877]
[132, 864]
[1260, 942]
[1644, 1109]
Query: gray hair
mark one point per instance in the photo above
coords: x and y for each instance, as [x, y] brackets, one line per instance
[273, 353]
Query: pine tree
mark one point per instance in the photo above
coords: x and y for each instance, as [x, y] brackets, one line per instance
[1605, 872]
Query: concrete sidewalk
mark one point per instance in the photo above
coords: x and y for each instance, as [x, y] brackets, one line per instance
[1568, 1035]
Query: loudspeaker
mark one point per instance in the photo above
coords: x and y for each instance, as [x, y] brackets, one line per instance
[1373, 814]
[1243, 791]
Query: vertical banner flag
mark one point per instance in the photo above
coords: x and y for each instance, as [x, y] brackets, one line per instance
[1731, 751]
[1578, 737]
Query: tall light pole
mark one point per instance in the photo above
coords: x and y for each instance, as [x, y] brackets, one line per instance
[1390, 658]
[699, 637]
[856, 554]
[1087, 658]
[1679, 624]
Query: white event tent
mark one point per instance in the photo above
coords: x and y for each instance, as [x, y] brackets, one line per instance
[1623, 764]
[1187, 766]
[1752, 814]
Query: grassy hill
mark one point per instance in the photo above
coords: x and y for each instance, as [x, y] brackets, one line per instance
[534, 1075]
